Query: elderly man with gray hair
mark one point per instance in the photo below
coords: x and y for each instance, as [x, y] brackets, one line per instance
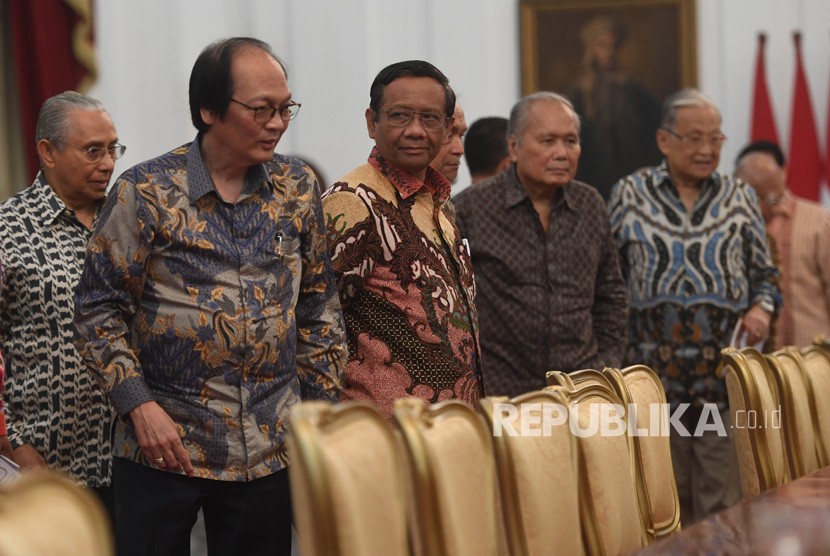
[695, 259]
[550, 293]
[56, 414]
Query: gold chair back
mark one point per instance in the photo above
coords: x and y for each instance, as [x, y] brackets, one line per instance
[453, 476]
[538, 474]
[45, 514]
[346, 481]
[817, 369]
[640, 387]
[787, 367]
[613, 523]
[753, 395]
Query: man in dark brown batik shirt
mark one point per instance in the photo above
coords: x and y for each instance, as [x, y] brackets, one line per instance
[550, 292]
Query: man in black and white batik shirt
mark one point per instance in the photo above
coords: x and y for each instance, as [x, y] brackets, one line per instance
[56, 414]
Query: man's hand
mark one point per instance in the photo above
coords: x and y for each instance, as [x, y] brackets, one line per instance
[159, 438]
[6, 447]
[28, 458]
[756, 324]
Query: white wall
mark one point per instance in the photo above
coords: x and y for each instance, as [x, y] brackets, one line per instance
[333, 49]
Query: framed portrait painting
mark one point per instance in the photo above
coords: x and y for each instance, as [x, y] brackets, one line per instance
[616, 60]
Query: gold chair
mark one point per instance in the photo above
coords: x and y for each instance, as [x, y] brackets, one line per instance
[787, 367]
[453, 474]
[346, 481]
[538, 474]
[612, 521]
[45, 514]
[640, 387]
[753, 397]
[817, 368]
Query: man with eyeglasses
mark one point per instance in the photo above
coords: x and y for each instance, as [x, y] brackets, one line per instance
[207, 309]
[56, 414]
[404, 276]
[695, 258]
[799, 229]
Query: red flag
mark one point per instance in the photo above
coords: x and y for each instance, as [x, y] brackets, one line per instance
[763, 122]
[52, 44]
[804, 168]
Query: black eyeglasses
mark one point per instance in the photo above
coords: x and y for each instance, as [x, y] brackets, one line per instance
[263, 114]
[695, 141]
[96, 153]
[399, 117]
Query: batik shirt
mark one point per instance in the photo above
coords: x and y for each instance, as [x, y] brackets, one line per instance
[225, 314]
[405, 285]
[690, 276]
[548, 300]
[51, 401]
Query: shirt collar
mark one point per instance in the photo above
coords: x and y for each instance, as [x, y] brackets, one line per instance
[662, 178]
[407, 184]
[516, 194]
[51, 207]
[200, 183]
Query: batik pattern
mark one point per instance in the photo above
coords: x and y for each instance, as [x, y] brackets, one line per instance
[406, 287]
[225, 314]
[51, 401]
[690, 276]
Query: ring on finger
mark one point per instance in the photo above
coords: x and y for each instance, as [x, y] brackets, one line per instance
[159, 460]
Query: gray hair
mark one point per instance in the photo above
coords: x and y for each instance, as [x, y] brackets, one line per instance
[53, 118]
[519, 113]
[684, 99]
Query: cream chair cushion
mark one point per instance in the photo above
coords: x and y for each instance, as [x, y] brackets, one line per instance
[453, 477]
[639, 386]
[608, 483]
[538, 475]
[346, 481]
[817, 369]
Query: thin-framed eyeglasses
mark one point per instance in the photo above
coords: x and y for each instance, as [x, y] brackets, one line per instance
[96, 153]
[263, 114]
[695, 141]
[400, 117]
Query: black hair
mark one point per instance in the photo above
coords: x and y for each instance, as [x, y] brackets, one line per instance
[485, 145]
[767, 147]
[410, 68]
[211, 80]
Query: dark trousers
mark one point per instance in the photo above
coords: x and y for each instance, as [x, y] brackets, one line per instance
[155, 512]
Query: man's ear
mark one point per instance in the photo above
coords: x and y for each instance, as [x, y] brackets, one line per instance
[207, 116]
[662, 137]
[370, 122]
[512, 147]
[46, 151]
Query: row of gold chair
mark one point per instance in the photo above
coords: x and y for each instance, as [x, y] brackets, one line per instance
[444, 479]
[781, 422]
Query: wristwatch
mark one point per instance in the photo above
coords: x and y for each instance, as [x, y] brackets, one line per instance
[767, 305]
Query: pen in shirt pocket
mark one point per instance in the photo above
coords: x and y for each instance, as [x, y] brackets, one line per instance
[278, 241]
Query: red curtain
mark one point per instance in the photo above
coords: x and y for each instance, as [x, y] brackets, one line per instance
[804, 168]
[763, 121]
[52, 48]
